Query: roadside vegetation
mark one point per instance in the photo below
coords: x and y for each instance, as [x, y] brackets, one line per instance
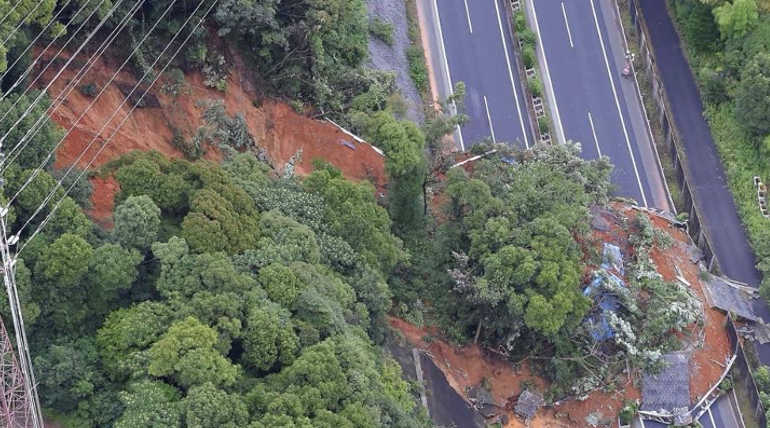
[527, 46]
[415, 54]
[727, 44]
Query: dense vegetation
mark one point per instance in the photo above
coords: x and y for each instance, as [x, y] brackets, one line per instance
[727, 45]
[506, 269]
[222, 297]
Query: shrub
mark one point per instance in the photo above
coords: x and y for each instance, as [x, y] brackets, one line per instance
[528, 56]
[535, 86]
[544, 124]
[417, 69]
[712, 85]
[382, 30]
[527, 37]
[519, 21]
[174, 82]
[89, 89]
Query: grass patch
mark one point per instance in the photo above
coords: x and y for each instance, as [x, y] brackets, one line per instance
[382, 30]
[415, 54]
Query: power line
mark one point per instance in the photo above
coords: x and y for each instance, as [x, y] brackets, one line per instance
[60, 99]
[25, 365]
[10, 12]
[61, 70]
[32, 43]
[22, 21]
[115, 131]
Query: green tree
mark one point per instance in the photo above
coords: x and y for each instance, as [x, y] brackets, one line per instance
[269, 337]
[281, 284]
[137, 221]
[751, 100]
[40, 144]
[736, 18]
[352, 213]
[69, 374]
[113, 268]
[285, 240]
[127, 333]
[150, 404]
[64, 262]
[214, 224]
[30, 309]
[206, 406]
[186, 353]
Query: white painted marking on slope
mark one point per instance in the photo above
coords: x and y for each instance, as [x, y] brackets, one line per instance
[566, 24]
[468, 15]
[593, 131]
[617, 104]
[446, 66]
[547, 74]
[510, 75]
[489, 119]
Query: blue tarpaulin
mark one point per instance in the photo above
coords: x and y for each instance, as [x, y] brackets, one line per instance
[598, 323]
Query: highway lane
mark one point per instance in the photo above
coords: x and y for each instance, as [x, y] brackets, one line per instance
[594, 104]
[477, 45]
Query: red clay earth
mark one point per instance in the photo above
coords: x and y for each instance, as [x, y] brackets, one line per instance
[466, 367]
[274, 125]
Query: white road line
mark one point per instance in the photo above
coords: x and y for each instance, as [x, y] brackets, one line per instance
[737, 407]
[468, 15]
[547, 74]
[617, 104]
[446, 66]
[713, 422]
[489, 119]
[593, 131]
[510, 74]
[566, 24]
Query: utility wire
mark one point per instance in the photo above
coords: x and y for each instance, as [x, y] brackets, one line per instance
[32, 43]
[115, 131]
[10, 11]
[22, 21]
[61, 70]
[60, 99]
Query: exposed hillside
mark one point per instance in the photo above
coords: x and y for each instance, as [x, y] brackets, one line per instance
[283, 135]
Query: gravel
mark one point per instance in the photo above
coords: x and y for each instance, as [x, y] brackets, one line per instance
[393, 58]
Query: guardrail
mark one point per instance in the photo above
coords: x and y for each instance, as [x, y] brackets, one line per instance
[672, 138]
[742, 373]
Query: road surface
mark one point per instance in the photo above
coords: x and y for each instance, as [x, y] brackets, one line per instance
[708, 182]
[471, 43]
[736, 259]
[582, 57]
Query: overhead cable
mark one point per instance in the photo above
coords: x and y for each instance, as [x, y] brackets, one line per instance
[115, 131]
[61, 70]
[14, 153]
[40, 34]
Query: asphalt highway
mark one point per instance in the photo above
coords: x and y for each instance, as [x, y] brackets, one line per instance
[591, 101]
[709, 185]
[474, 38]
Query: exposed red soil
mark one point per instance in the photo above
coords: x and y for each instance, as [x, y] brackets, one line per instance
[274, 125]
[103, 200]
[466, 367]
